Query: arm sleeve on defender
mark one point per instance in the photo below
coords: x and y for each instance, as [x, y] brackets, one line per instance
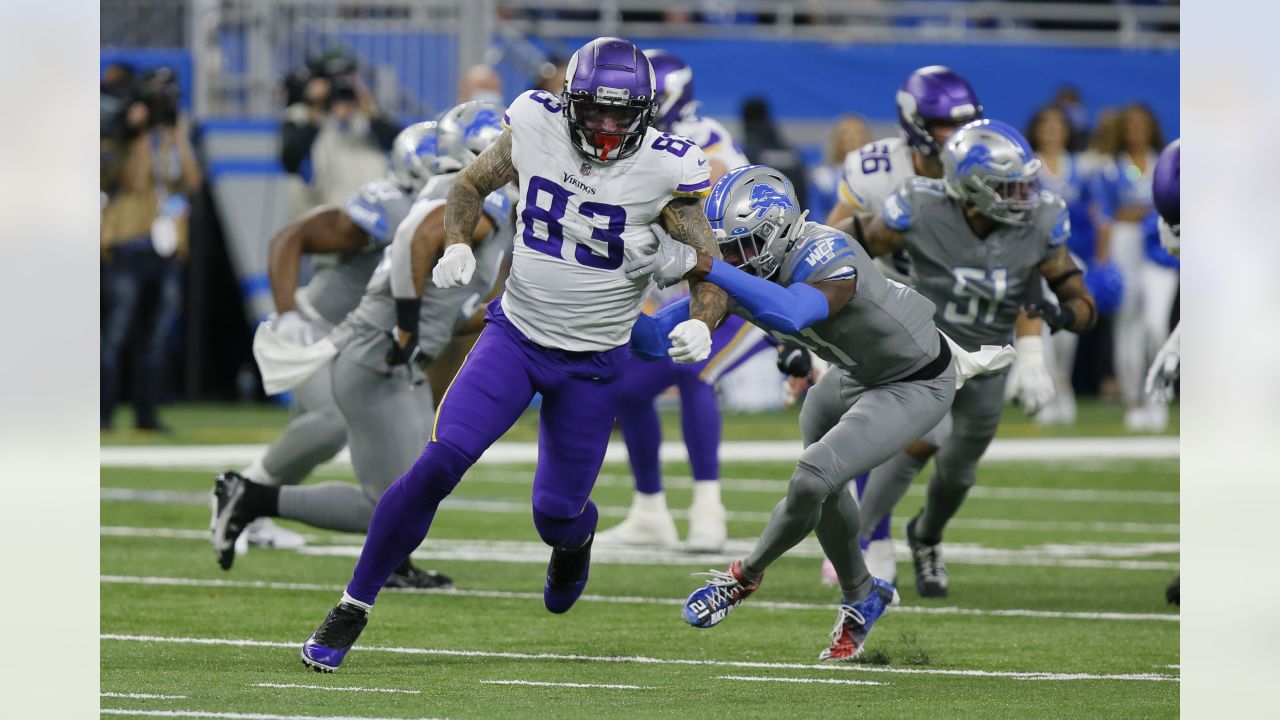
[649, 335]
[787, 310]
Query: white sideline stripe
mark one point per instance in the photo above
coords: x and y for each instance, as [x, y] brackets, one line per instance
[336, 689]
[635, 600]
[486, 505]
[534, 683]
[141, 696]
[1003, 449]
[235, 715]
[824, 681]
[644, 660]
[1105, 556]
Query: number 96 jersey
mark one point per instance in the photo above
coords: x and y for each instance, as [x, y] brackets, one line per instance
[578, 220]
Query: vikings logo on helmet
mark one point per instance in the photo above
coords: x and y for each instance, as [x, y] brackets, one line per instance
[765, 196]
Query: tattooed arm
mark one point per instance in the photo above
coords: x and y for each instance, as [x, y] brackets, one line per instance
[685, 221]
[490, 171]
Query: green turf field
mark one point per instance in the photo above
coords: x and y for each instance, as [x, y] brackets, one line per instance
[1057, 609]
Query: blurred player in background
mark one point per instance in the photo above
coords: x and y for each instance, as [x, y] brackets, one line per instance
[593, 174]
[1162, 377]
[980, 241]
[378, 383]
[649, 522]
[850, 133]
[349, 244]
[932, 103]
[893, 378]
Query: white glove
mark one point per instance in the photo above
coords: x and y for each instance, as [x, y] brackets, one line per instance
[1032, 386]
[690, 342]
[454, 268]
[668, 263]
[291, 326]
[1162, 378]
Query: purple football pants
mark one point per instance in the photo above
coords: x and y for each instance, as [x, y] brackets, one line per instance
[493, 387]
[643, 380]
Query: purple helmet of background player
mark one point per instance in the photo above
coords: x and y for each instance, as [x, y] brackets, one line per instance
[934, 96]
[1164, 183]
[609, 98]
[674, 82]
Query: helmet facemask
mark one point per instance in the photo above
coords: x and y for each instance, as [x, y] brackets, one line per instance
[609, 125]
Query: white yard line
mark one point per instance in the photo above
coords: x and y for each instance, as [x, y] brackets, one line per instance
[235, 715]
[141, 696]
[1107, 556]
[644, 660]
[822, 681]
[336, 689]
[637, 600]
[488, 505]
[534, 683]
[1002, 450]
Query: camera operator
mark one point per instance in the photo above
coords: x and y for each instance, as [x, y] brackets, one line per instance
[333, 122]
[148, 168]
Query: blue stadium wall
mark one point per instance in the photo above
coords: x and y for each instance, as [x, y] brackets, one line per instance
[813, 81]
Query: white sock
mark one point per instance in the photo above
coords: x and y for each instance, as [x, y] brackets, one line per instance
[352, 601]
[644, 502]
[257, 473]
[706, 491]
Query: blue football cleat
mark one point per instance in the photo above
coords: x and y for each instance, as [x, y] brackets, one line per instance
[854, 622]
[726, 590]
[566, 576]
[328, 645]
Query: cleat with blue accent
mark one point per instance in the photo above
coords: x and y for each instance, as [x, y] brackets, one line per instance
[854, 622]
[931, 572]
[725, 591]
[566, 576]
[329, 644]
[226, 524]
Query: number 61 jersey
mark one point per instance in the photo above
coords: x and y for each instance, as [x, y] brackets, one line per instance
[578, 220]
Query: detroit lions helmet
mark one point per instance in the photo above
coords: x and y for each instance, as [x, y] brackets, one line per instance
[989, 166]
[608, 98]
[931, 96]
[674, 82]
[463, 132]
[755, 216]
[413, 155]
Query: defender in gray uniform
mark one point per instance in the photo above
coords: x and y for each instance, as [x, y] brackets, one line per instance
[378, 381]
[981, 239]
[892, 379]
[347, 243]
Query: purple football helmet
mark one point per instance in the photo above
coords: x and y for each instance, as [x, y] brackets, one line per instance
[674, 81]
[1165, 183]
[609, 98]
[934, 95]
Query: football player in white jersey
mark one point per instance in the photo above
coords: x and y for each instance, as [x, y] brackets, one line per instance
[649, 522]
[592, 176]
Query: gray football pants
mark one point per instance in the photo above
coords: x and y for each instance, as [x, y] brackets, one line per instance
[848, 428]
[315, 433]
[974, 419]
[388, 424]
[962, 439]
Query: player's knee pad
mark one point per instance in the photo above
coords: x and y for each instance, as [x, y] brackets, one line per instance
[437, 471]
[557, 530]
[813, 482]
